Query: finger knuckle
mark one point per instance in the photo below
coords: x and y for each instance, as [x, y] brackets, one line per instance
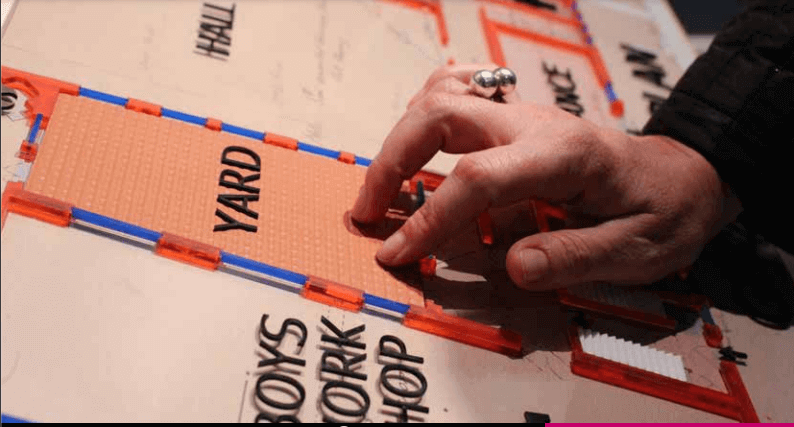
[441, 72]
[437, 105]
[426, 220]
[447, 84]
[474, 172]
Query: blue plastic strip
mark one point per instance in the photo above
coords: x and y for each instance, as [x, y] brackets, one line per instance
[34, 130]
[173, 114]
[610, 93]
[318, 150]
[116, 225]
[386, 304]
[104, 97]
[259, 136]
[12, 420]
[239, 261]
[363, 161]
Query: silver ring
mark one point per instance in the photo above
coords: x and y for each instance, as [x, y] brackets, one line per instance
[493, 84]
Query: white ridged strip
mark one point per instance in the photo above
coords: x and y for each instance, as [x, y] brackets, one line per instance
[679, 367]
[622, 354]
[667, 365]
[632, 354]
[655, 360]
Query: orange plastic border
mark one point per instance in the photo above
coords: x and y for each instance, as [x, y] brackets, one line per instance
[20, 201]
[735, 404]
[430, 180]
[281, 141]
[213, 124]
[346, 157]
[433, 7]
[492, 29]
[188, 251]
[12, 188]
[530, 10]
[485, 225]
[436, 322]
[144, 107]
[569, 300]
[41, 92]
[333, 294]
[28, 151]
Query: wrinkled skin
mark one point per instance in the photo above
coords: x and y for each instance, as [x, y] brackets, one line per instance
[645, 205]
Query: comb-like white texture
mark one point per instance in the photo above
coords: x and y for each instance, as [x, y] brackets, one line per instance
[637, 299]
[632, 354]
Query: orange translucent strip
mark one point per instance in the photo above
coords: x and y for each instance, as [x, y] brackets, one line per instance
[333, 294]
[713, 335]
[485, 225]
[433, 7]
[213, 124]
[569, 300]
[11, 188]
[545, 14]
[281, 141]
[735, 404]
[346, 157]
[144, 107]
[543, 211]
[736, 388]
[427, 266]
[492, 39]
[27, 151]
[555, 43]
[41, 92]
[462, 330]
[43, 208]
[188, 251]
[430, 180]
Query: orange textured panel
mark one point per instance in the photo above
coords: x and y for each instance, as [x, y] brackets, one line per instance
[164, 175]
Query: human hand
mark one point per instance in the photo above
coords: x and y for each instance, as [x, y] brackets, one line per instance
[643, 206]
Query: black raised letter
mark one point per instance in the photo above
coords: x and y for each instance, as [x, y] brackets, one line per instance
[256, 166]
[231, 223]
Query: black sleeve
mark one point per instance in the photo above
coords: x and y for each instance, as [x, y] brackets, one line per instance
[735, 105]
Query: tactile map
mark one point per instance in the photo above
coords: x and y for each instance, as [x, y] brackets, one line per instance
[177, 179]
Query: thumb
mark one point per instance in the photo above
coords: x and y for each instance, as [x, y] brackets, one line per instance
[606, 252]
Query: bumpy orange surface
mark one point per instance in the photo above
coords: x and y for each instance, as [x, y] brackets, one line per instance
[163, 175]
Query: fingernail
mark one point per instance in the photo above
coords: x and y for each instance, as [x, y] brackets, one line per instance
[534, 264]
[392, 248]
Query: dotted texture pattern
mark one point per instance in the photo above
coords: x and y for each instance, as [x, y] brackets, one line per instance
[163, 175]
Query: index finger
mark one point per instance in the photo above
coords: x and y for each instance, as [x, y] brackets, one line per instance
[451, 123]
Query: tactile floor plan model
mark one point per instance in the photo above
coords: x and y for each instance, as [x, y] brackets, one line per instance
[261, 202]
